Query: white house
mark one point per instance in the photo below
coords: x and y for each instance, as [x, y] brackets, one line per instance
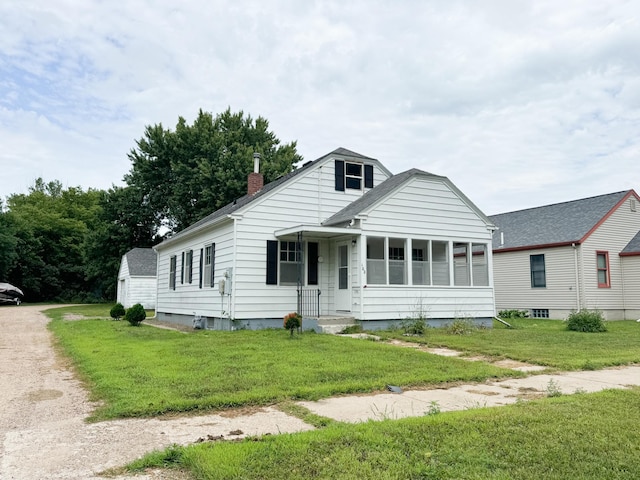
[340, 239]
[585, 253]
[137, 278]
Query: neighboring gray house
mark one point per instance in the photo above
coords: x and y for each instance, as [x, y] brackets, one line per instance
[554, 259]
[137, 278]
[338, 240]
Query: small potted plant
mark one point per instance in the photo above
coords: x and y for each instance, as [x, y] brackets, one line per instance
[292, 321]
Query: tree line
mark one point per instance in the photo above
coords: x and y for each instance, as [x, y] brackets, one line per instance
[66, 244]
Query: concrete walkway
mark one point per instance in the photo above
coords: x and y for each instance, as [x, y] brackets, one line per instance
[360, 408]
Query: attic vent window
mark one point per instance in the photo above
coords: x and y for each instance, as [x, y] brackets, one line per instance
[633, 204]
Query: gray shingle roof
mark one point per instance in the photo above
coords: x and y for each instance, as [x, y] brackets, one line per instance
[633, 247]
[142, 262]
[247, 199]
[560, 223]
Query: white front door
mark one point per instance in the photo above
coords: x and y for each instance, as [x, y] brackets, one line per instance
[343, 279]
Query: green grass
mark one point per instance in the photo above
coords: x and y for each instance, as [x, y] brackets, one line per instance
[585, 436]
[544, 342]
[143, 371]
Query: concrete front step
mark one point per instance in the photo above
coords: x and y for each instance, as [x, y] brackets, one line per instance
[334, 323]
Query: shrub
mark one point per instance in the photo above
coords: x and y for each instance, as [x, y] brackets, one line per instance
[414, 326]
[460, 326]
[292, 321]
[117, 311]
[513, 313]
[586, 321]
[135, 315]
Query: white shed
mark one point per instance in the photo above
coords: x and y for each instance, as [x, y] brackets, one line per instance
[137, 278]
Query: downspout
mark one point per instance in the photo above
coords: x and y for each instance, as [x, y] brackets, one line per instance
[232, 297]
[624, 296]
[575, 262]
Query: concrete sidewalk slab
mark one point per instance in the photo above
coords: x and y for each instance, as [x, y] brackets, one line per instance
[411, 403]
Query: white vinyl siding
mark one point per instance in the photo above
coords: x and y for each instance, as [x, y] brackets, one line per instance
[190, 299]
[427, 212]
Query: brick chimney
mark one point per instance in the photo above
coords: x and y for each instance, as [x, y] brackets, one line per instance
[256, 180]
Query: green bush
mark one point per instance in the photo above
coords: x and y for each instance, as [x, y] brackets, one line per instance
[292, 322]
[461, 326]
[135, 315]
[414, 326]
[117, 311]
[586, 321]
[513, 313]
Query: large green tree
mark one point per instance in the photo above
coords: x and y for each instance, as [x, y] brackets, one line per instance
[184, 175]
[48, 228]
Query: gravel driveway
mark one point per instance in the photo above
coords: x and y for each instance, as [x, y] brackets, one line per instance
[43, 433]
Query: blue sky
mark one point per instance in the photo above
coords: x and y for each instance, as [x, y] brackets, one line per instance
[518, 103]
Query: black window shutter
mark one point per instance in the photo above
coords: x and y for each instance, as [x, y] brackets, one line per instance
[182, 269]
[312, 263]
[200, 269]
[339, 167]
[213, 262]
[272, 262]
[368, 176]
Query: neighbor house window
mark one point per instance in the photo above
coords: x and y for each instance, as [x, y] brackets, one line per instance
[538, 274]
[290, 258]
[376, 263]
[540, 313]
[397, 262]
[420, 262]
[602, 260]
[182, 269]
[172, 272]
[208, 273]
[440, 262]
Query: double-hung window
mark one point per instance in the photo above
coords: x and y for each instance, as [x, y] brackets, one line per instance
[208, 268]
[602, 265]
[189, 267]
[172, 272]
[290, 263]
[538, 274]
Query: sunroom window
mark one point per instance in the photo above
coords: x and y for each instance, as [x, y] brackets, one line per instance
[397, 262]
[440, 262]
[461, 264]
[480, 265]
[376, 263]
[420, 262]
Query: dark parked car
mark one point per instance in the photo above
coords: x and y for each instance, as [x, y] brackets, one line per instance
[10, 294]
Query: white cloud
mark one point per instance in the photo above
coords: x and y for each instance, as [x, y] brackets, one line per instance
[519, 103]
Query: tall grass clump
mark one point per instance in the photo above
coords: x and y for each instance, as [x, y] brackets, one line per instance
[591, 321]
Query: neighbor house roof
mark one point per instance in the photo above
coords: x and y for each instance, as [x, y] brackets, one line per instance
[245, 200]
[633, 247]
[142, 262]
[553, 225]
[376, 194]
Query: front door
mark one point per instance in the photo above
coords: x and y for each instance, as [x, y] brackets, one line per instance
[343, 280]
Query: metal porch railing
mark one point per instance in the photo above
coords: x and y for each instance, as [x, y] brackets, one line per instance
[309, 302]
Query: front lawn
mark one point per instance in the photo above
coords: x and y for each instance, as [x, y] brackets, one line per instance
[586, 436]
[142, 371]
[543, 342]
